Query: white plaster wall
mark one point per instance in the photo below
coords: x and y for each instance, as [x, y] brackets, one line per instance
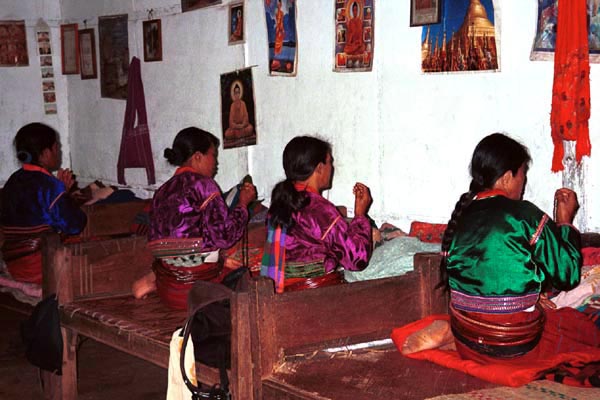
[182, 90]
[409, 136]
[21, 99]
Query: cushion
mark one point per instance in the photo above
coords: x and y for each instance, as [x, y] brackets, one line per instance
[427, 232]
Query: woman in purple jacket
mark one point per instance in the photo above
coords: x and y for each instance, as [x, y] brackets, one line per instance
[308, 239]
[190, 222]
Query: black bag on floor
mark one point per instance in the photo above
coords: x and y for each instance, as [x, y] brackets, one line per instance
[209, 325]
[42, 336]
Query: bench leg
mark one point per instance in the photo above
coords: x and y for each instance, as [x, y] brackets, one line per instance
[69, 367]
[51, 385]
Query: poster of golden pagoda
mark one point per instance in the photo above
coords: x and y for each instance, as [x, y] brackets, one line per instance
[464, 40]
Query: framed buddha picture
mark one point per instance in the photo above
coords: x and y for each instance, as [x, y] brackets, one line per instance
[237, 109]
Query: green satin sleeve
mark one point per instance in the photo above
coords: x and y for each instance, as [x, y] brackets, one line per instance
[558, 253]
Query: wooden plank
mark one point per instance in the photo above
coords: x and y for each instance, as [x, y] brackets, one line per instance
[434, 299]
[108, 267]
[265, 343]
[345, 311]
[275, 389]
[111, 218]
[69, 365]
[56, 269]
[241, 357]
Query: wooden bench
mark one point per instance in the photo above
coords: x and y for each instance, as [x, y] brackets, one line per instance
[93, 282]
[104, 221]
[111, 219]
[291, 333]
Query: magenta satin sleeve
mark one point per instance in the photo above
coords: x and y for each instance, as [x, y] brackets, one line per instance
[351, 243]
[222, 228]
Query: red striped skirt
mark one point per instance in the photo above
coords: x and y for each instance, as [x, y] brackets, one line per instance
[173, 283]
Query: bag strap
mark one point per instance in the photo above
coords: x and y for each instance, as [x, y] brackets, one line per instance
[218, 391]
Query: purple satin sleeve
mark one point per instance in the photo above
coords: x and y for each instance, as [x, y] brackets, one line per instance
[346, 244]
[223, 228]
[351, 243]
[190, 205]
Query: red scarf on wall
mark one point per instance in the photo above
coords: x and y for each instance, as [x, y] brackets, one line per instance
[571, 88]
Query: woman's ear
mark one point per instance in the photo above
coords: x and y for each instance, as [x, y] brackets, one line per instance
[504, 181]
[319, 168]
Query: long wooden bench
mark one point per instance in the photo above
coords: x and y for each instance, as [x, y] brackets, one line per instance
[302, 341]
[93, 282]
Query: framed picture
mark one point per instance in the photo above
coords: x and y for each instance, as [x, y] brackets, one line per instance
[189, 5]
[479, 53]
[87, 54]
[546, 22]
[281, 34]
[13, 44]
[152, 40]
[236, 23]
[354, 22]
[113, 40]
[425, 12]
[69, 42]
[238, 117]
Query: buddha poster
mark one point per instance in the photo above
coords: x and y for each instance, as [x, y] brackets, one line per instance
[545, 37]
[354, 40]
[281, 31]
[237, 109]
[464, 40]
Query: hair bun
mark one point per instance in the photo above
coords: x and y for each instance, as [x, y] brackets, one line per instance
[171, 155]
[24, 156]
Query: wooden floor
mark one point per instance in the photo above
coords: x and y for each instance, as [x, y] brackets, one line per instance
[104, 374]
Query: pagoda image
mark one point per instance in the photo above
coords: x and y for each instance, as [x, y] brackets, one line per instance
[466, 46]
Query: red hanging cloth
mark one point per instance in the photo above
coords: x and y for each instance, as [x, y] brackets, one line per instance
[571, 88]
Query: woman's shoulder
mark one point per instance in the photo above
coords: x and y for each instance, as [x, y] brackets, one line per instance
[192, 179]
[23, 179]
[320, 207]
[522, 209]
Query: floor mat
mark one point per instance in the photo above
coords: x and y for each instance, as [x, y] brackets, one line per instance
[538, 390]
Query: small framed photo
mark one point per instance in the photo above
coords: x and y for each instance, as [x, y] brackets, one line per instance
[47, 72]
[236, 23]
[87, 54]
[50, 108]
[152, 40]
[425, 12]
[69, 39]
